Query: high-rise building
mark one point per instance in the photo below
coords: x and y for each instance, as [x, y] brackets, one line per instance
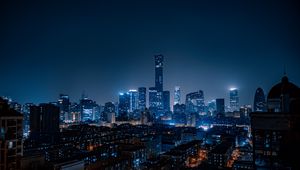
[177, 95]
[124, 106]
[179, 115]
[166, 101]
[87, 109]
[211, 107]
[75, 111]
[259, 101]
[134, 100]
[155, 100]
[195, 102]
[275, 133]
[64, 107]
[159, 59]
[142, 98]
[44, 122]
[234, 99]
[109, 108]
[220, 106]
[153, 103]
[11, 144]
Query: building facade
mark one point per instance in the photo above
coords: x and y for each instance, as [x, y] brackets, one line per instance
[276, 132]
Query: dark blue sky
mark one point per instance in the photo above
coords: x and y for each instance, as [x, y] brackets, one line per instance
[104, 47]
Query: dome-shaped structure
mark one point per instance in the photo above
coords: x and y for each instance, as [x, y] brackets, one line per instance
[283, 96]
[284, 87]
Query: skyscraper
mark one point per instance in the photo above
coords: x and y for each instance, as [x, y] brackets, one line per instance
[124, 106]
[234, 99]
[153, 101]
[159, 59]
[142, 98]
[220, 106]
[195, 102]
[177, 95]
[87, 109]
[109, 108]
[259, 101]
[64, 107]
[134, 100]
[166, 101]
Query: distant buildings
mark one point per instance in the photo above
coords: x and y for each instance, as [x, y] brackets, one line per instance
[166, 101]
[88, 109]
[156, 95]
[134, 100]
[11, 144]
[194, 102]
[109, 113]
[142, 98]
[259, 101]
[220, 103]
[124, 106]
[233, 99]
[179, 115]
[159, 59]
[276, 132]
[64, 107]
[177, 94]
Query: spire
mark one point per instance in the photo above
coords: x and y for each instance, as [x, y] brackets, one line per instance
[284, 70]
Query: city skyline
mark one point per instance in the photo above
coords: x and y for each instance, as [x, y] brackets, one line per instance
[103, 48]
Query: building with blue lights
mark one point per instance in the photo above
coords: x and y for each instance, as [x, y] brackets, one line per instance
[233, 99]
[142, 98]
[159, 59]
[64, 106]
[177, 95]
[134, 100]
[87, 109]
[195, 102]
[124, 106]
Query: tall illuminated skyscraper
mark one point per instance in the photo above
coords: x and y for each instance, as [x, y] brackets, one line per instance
[124, 106]
[177, 95]
[159, 59]
[64, 107]
[134, 99]
[234, 99]
[142, 98]
[87, 109]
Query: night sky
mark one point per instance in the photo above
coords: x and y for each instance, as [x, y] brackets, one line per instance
[103, 48]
